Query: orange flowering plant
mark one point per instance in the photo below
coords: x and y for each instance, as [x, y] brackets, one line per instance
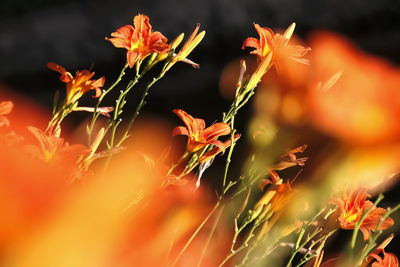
[76, 87]
[277, 44]
[128, 206]
[139, 40]
[352, 207]
[199, 136]
[388, 259]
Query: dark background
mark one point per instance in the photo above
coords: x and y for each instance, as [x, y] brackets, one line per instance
[71, 33]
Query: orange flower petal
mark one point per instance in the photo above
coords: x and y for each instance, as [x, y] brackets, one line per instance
[122, 37]
[180, 130]
[142, 25]
[216, 130]
[215, 150]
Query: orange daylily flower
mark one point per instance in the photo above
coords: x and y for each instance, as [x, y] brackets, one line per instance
[277, 44]
[284, 193]
[52, 148]
[388, 260]
[199, 136]
[139, 40]
[290, 159]
[78, 85]
[274, 201]
[5, 108]
[278, 195]
[287, 160]
[353, 205]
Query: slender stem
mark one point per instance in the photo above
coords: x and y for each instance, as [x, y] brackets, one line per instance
[210, 235]
[228, 159]
[195, 234]
[299, 237]
[372, 240]
[235, 236]
[242, 247]
[181, 159]
[95, 113]
[118, 108]
[139, 108]
[248, 239]
[310, 253]
[359, 223]
[120, 102]
[266, 253]
[299, 246]
[227, 118]
[53, 128]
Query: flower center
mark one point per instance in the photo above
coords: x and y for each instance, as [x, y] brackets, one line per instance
[351, 216]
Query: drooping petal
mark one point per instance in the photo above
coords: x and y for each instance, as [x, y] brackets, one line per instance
[158, 43]
[251, 42]
[215, 130]
[96, 86]
[180, 130]
[102, 110]
[217, 149]
[218, 144]
[122, 37]
[366, 232]
[390, 260]
[65, 76]
[124, 32]
[56, 67]
[190, 62]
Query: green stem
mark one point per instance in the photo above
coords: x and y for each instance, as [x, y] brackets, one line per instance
[235, 236]
[95, 113]
[118, 108]
[138, 109]
[210, 235]
[299, 245]
[359, 223]
[242, 247]
[372, 240]
[195, 234]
